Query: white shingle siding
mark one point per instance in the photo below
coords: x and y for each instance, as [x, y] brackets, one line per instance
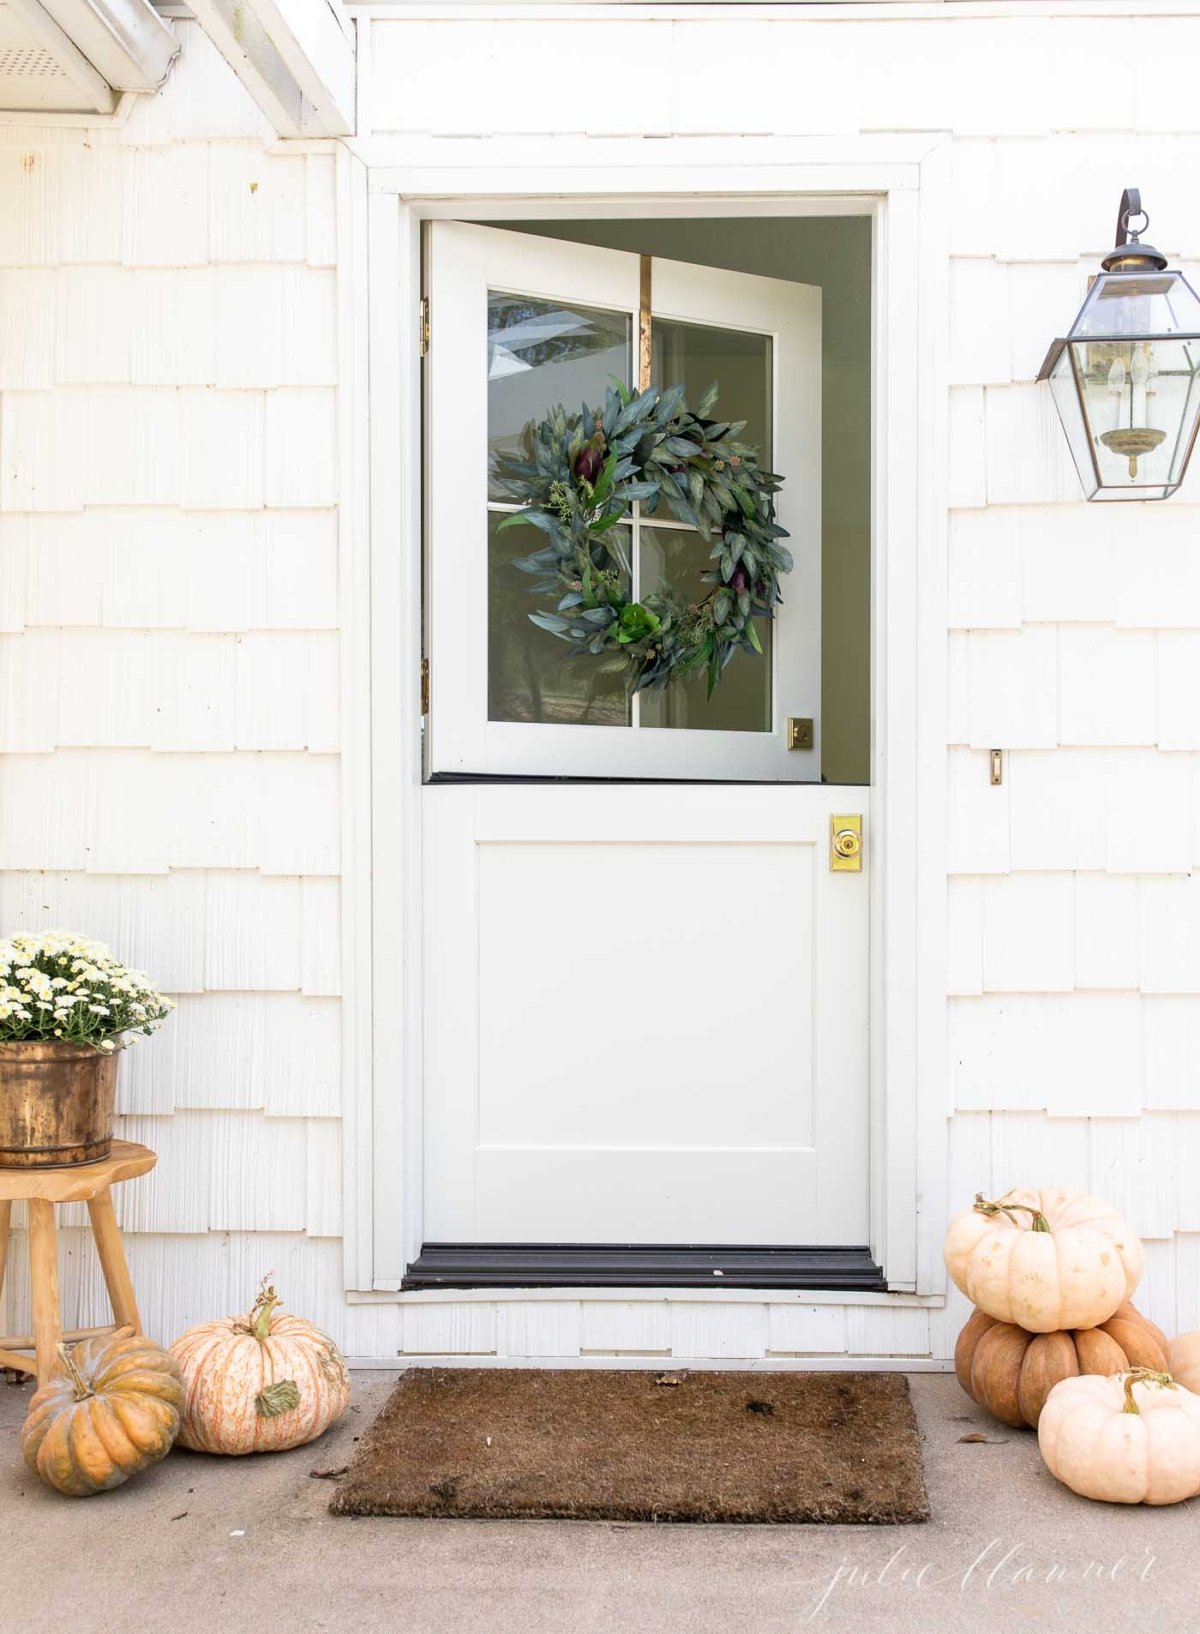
[231, 570]
[169, 691]
[470, 1330]
[169, 650]
[628, 1327]
[1074, 975]
[271, 1052]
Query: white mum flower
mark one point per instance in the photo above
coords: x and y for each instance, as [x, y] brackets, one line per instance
[75, 986]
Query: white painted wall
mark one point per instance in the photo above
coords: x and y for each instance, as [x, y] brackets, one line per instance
[168, 528]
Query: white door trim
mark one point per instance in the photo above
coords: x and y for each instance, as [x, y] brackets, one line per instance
[902, 182]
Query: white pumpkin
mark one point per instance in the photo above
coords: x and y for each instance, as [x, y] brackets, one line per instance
[1131, 1438]
[259, 1383]
[1045, 1260]
[1183, 1358]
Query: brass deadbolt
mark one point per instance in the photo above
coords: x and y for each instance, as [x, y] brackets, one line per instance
[847, 843]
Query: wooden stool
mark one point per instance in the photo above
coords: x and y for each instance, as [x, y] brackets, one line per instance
[41, 1188]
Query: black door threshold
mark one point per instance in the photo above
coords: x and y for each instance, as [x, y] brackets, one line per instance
[637, 1265]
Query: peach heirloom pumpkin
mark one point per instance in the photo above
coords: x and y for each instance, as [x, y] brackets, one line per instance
[1132, 1438]
[1183, 1356]
[259, 1383]
[1047, 1260]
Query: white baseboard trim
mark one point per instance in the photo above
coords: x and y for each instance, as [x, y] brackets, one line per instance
[669, 1364]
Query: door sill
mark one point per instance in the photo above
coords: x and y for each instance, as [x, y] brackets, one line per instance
[456, 779]
[626, 1265]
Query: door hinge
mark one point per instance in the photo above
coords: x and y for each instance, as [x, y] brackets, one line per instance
[424, 325]
[424, 686]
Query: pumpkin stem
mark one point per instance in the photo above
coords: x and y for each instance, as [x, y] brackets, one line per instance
[259, 1321]
[1039, 1221]
[1144, 1375]
[82, 1388]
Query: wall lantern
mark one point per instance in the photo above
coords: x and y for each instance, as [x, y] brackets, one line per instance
[1126, 379]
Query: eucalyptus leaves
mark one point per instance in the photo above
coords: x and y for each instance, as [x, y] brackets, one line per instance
[578, 476]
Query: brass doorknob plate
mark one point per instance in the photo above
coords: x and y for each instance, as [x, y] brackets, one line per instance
[845, 844]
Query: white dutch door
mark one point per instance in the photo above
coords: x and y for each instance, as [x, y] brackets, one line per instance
[645, 989]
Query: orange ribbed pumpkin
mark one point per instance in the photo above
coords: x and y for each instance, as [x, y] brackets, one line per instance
[259, 1383]
[1010, 1372]
[112, 1411]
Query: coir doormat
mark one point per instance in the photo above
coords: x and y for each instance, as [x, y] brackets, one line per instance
[507, 1443]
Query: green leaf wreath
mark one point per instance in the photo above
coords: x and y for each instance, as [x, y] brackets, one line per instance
[577, 476]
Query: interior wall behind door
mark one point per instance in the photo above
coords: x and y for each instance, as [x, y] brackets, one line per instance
[834, 252]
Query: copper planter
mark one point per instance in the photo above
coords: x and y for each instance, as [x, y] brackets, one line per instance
[57, 1103]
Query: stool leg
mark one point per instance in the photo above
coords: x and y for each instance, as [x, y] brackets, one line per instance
[43, 1264]
[5, 1226]
[112, 1261]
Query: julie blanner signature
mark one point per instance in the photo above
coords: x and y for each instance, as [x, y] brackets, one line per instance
[996, 1567]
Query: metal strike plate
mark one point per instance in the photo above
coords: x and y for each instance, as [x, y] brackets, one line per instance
[845, 844]
[799, 732]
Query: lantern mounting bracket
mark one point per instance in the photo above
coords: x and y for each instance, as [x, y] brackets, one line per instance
[1131, 205]
[1129, 254]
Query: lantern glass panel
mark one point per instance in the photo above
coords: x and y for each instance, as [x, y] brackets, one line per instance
[1068, 401]
[1140, 399]
[1139, 303]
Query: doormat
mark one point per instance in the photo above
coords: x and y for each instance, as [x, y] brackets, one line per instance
[544, 1444]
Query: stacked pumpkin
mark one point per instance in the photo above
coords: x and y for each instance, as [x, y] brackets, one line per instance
[1054, 1343]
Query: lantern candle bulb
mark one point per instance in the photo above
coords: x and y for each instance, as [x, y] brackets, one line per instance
[1132, 437]
[1139, 374]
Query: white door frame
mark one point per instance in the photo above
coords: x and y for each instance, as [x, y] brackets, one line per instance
[902, 182]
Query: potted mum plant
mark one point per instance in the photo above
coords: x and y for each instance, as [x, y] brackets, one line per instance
[67, 1007]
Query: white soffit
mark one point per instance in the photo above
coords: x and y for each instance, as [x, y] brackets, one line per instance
[77, 56]
[295, 57]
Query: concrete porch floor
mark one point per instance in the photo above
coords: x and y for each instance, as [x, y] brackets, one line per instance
[209, 1546]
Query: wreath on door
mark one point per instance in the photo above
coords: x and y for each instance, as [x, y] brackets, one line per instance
[576, 478]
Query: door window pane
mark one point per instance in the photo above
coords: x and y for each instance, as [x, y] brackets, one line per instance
[674, 558]
[541, 353]
[739, 362]
[533, 675]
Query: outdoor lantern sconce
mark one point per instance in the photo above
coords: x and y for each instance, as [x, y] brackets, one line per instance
[1126, 379]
